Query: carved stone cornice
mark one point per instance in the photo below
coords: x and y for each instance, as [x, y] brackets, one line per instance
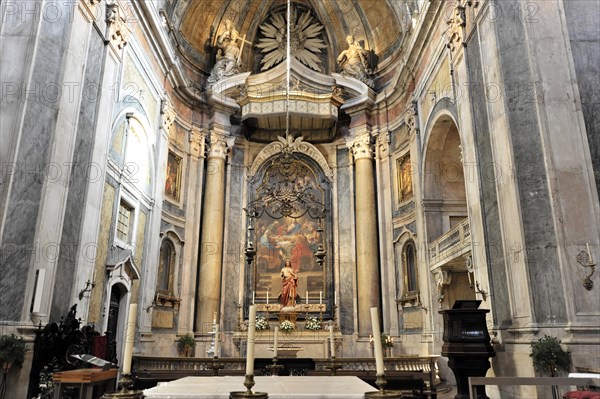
[116, 25]
[88, 8]
[361, 146]
[167, 114]
[219, 145]
[411, 118]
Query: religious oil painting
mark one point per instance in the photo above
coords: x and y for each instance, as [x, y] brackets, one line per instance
[405, 189]
[173, 180]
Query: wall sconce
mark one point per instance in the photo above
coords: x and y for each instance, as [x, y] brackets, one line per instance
[585, 259]
[480, 291]
[89, 286]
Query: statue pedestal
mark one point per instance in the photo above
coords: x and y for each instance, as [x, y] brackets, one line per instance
[290, 316]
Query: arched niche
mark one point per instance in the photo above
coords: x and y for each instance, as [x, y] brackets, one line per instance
[444, 194]
[296, 171]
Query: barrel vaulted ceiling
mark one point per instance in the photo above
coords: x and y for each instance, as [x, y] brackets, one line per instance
[377, 23]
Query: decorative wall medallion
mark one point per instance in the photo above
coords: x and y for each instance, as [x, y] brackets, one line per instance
[305, 40]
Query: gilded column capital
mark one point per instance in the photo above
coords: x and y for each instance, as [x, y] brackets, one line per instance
[361, 146]
[116, 24]
[219, 145]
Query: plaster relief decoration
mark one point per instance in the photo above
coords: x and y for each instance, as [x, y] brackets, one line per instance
[116, 24]
[305, 40]
[411, 118]
[442, 280]
[456, 28]
[229, 55]
[167, 114]
[354, 62]
[173, 180]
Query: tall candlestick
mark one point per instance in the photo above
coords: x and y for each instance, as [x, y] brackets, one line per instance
[331, 342]
[129, 338]
[275, 338]
[377, 341]
[267, 297]
[217, 341]
[320, 297]
[250, 345]
[307, 297]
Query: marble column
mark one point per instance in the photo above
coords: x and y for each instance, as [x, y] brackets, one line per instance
[367, 258]
[211, 247]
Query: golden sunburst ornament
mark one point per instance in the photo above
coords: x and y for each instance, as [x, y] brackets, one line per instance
[305, 41]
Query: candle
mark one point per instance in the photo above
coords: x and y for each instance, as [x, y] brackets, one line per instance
[377, 341]
[331, 342]
[275, 342]
[129, 338]
[217, 341]
[307, 297]
[253, 297]
[320, 297]
[267, 297]
[335, 298]
[250, 345]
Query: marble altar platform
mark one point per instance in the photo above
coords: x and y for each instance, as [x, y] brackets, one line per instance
[277, 387]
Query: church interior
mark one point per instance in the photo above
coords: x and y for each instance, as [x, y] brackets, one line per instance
[170, 168]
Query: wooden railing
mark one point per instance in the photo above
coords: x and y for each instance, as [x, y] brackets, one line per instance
[450, 245]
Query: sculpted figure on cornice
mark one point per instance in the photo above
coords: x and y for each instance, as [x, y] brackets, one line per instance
[354, 61]
[228, 54]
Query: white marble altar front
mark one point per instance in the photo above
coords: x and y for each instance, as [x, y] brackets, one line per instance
[276, 387]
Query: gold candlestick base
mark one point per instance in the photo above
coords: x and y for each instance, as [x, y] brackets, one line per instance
[274, 368]
[248, 383]
[125, 392]
[382, 393]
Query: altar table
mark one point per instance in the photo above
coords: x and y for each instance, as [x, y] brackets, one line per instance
[277, 387]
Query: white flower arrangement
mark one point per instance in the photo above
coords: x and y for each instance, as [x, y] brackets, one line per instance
[287, 326]
[261, 323]
[312, 323]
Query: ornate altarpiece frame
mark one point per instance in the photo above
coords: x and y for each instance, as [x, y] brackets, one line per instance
[299, 174]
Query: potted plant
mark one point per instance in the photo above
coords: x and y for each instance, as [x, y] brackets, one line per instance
[548, 356]
[261, 323]
[550, 359]
[185, 343]
[12, 351]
